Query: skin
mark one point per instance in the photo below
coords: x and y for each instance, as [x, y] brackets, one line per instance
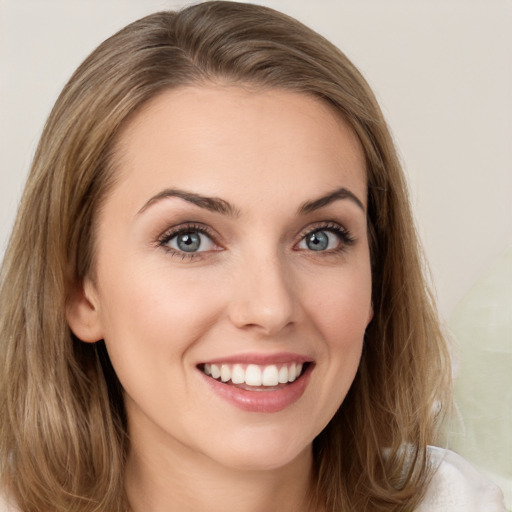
[256, 288]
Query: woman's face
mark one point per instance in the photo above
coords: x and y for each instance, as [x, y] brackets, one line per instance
[232, 255]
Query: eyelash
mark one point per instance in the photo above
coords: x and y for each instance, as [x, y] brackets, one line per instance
[346, 238]
[164, 239]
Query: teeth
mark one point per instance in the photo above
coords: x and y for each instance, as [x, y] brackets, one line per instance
[253, 374]
[237, 375]
[292, 373]
[215, 371]
[283, 375]
[225, 373]
[270, 376]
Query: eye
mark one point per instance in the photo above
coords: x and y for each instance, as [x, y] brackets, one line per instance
[320, 240]
[329, 238]
[188, 240]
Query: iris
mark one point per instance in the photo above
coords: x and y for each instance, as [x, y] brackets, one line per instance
[188, 242]
[317, 241]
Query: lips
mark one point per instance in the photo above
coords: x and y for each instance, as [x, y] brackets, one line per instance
[258, 384]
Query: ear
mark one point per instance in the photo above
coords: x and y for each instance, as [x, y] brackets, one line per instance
[82, 312]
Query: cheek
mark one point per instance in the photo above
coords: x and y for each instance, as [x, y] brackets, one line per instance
[340, 305]
[154, 314]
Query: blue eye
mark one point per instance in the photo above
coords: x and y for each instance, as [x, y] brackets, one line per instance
[319, 240]
[331, 238]
[189, 241]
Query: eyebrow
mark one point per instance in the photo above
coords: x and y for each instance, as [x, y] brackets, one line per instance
[338, 194]
[213, 204]
[217, 205]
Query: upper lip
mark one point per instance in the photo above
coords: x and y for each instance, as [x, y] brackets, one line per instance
[261, 359]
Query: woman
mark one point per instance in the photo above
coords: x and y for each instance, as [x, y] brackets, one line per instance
[213, 295]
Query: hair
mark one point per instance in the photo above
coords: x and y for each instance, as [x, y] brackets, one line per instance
[63, 435]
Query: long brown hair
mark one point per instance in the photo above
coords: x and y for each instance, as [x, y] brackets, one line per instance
[63, 438]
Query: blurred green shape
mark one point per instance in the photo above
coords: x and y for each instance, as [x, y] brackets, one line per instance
[482, 326]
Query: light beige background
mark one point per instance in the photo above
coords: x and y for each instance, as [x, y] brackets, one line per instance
[442, 70]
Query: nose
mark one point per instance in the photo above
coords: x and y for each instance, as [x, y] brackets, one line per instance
[263, 298]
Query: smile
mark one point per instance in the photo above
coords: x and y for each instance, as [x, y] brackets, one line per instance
[258, 383]
[254, 375]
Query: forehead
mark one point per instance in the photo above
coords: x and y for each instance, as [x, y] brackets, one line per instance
[210, 137]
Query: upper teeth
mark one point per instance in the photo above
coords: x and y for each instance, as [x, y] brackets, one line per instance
[253, 374]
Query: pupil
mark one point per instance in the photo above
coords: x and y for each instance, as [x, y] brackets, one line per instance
[189, 242]
[318, 241]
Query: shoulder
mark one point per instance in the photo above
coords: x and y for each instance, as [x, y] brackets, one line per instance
[458, 487]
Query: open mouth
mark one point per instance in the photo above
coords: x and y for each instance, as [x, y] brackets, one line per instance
[255, 377]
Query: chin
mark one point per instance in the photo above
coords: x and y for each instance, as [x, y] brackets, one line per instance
[261, 451]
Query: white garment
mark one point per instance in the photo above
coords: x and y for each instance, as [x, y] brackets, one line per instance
[456, 487]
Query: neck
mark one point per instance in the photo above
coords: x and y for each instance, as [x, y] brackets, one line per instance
[163, 475]
[171, 482]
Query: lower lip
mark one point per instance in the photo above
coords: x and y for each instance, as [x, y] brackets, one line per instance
[261, 400]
